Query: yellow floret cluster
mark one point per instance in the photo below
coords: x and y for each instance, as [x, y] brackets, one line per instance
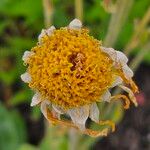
[69, 68]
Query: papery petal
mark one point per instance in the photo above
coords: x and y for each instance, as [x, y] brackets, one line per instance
[26, 55]
[75, 24]
[111, 52]
[79, 116]
[58, 109]
[94, 112]
[46, 32]
[50, 30]
[118, 81]
[36, 99]
[121, 57]
[44, 106]
[106, 96]
[127, 71]
[26, 77]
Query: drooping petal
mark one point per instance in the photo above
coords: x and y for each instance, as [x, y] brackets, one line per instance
[26, 77]
[94, 112]
[127, 71]
[131, 94]
[79, 116]
[75, 24]
[26, 55]
[58, 109]
[44, 106]
[106, 96]
[36, 99]
[117, 81]
[41, 35]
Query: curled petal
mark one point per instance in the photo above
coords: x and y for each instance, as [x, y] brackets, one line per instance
[131, 95]
[94, 112]
[26, 77]
[42, 34]
[79, 116]
[75, 24]
[26, 55]
[127, 71]
[106, 96]
[58, 109]
[36, 99]
[117, 81]
[44, 106]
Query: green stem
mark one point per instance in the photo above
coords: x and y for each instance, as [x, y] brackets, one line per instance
[79, 9]
[139, 57]
[140, 28]
[117, 21]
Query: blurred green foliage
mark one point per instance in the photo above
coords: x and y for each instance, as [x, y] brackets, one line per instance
[20, 23]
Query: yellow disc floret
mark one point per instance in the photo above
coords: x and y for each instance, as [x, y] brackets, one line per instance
[69, 68]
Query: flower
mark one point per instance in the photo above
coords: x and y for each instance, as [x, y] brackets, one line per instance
[71, 72]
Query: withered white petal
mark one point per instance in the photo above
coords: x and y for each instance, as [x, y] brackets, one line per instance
[131, 94]
[44, 106]
[58, 109]
[94, 112]
[106, 96]
[79, 116]
[41, 35]
[117, 81]
[127, 71]
[26, 77]
[111, 52]
[50, 30]
[75, 24]
[121, 57]
[36, 99]
[26, 55]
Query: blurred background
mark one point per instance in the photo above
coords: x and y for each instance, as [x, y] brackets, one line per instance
[121, 24]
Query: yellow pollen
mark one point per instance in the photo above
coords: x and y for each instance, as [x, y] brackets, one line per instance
[69, 68]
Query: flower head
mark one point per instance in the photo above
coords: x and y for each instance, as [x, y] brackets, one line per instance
[71, 72]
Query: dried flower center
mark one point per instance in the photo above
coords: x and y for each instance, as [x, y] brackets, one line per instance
[69, 68]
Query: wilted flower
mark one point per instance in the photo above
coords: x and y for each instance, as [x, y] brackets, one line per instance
[71, 72]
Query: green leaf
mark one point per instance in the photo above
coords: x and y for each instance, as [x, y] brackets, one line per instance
[27, 147]
[12, 129]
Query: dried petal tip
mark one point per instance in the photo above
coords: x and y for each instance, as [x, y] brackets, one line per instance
[50, 30]
[75, 24]
[26, 77]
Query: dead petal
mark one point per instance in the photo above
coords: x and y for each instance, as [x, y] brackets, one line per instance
[94, 112]
[118, 81]
[36, 99]
[44, 106]
[75, 24]
[26, 55]
[58, 109]
[106, 96]
[127, 71]
[79, 116]
[26, 77]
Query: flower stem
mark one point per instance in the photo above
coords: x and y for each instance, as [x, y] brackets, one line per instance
[117, 21]
[73, 137]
